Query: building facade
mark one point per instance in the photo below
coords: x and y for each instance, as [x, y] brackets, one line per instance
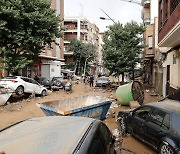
[51, 58]
[81, 29]
[169, 41]
[149, 37]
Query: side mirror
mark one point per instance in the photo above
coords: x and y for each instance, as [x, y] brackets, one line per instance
[113, 139]
[130, 113]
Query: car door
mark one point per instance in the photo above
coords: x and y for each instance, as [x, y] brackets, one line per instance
[156, 126]
[36, 86]
[27, 85]
[138, 120]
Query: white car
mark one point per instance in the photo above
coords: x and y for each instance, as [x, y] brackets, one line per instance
[23, 85]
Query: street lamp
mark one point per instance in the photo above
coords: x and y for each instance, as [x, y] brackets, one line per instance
[109, 18]
[103, 18]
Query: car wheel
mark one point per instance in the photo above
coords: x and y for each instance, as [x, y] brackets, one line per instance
[58, 84]
[19, 90]
[44, 93]
[122, 126]
[166, 149]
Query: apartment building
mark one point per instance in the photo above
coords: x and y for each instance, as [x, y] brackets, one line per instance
[169, 41]
[51, 59]
[148, 40]
[78, 28]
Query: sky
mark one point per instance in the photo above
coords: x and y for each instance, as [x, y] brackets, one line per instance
[118, 10]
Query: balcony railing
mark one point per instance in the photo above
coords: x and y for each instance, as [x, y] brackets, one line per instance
[174, 4]
[147, 21]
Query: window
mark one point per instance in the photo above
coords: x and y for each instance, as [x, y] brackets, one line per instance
[160, 118]
[174, 5]
[105, 133]
[160, 14]
[166, 122]
[96, 146]
[166, 9]
[86, 38]
[142, 112]
[150, 42]
[174, 59]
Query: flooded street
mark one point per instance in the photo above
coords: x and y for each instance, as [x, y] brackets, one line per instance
[24, 109]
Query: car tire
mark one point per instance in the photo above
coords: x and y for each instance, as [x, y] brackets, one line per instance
[165, 148]
[122, 126]
[58, 83]
[19, 90]
[44, 93]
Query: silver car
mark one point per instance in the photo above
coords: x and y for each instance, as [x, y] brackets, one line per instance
[57, 135]
[102, 81]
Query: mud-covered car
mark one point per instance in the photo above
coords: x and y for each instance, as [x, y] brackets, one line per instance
[102, 81]
[58, 83]
[57, 135]
[156, 124]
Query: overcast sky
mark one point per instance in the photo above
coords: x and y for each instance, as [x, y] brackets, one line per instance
[91, 9]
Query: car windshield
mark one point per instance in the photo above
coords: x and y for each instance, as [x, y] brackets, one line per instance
[103, 78]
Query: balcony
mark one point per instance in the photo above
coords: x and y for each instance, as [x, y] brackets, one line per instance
[147, 21]
[72, 30]
[171, 38]
[146, 3]
[168, 35]
[68, 53]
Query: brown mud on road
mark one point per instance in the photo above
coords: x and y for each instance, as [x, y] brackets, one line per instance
[26, 108]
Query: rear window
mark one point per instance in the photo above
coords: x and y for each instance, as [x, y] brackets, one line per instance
[11, 77]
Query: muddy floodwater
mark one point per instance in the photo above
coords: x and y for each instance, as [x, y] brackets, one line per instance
[27, 108]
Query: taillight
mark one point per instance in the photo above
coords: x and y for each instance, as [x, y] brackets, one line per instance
[14, 81]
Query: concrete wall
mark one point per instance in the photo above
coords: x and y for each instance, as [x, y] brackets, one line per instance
[174, 68]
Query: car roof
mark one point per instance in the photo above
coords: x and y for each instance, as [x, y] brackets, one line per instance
[56, 134]
[168, 105]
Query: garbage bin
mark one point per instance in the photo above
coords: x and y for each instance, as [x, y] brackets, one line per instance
[130, 92]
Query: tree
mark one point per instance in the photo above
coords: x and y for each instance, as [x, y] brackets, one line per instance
[26, 28]
[83, 53]
[122, 47]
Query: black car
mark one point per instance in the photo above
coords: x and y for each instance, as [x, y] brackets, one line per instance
[57, 135]
[45, 82]
[156, 124]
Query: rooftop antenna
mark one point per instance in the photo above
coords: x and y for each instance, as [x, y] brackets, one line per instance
[82, 10]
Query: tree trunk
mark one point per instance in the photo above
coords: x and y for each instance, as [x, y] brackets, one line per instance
[85, 66]
[75, 68]
[123, 77]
